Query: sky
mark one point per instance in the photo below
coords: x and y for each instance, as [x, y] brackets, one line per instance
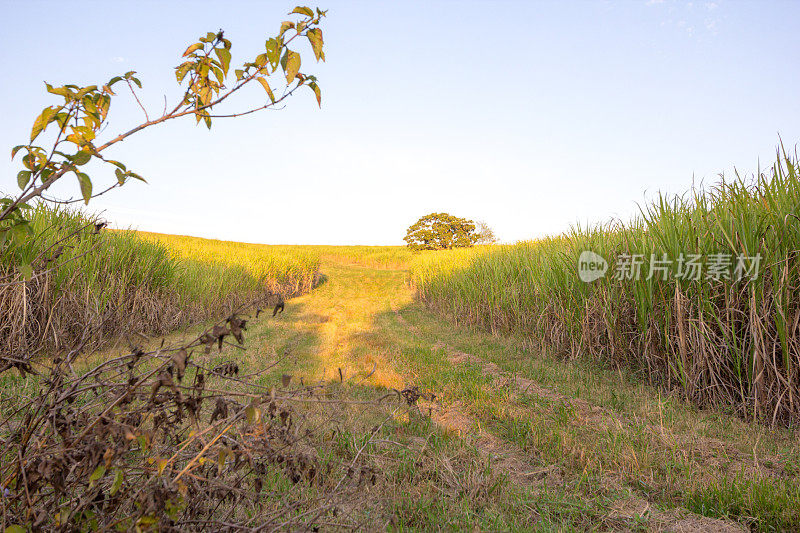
[530, 116]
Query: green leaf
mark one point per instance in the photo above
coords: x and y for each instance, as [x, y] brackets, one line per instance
[303, 11]
[114, 80]
[105, 103]
[292, 65]
[26, 270]
[23, 177]
[118, 478]
[253, 414]
[317, 92]
[85, 90]
[88, 103]
[220, 76]
[181, 71]
[273, 52]
[22, 229]
[239, 74]
[221, 459]
[14, 528]
[86, 186]
[193, 48]
[97, 474]
[81, 158]
[120, 176]
[116, 164]
[224, 58]
[61, 119]
[267, 88]
[315, 38]
[29, 160]
[15, 150]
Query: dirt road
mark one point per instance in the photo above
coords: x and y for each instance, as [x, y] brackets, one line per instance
[505, 438]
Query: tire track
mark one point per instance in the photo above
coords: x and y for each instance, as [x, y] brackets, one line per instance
[516, 463]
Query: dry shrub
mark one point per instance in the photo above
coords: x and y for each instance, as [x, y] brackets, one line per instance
[161, 440]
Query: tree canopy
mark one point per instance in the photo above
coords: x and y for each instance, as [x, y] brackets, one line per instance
[441, 231]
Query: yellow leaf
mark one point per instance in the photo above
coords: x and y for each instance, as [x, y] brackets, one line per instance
[267, 88]
[253, 414]
[194, 47]
[317, 93]
[302, 10]
[292, 65]
[75, 138]
[41, 122]
[223, 453]
[315, 38]
[285, 25]
[162, 464]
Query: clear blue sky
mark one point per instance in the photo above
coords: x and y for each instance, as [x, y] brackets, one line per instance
[530, 116]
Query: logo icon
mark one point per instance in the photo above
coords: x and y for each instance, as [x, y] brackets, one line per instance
[591, 266]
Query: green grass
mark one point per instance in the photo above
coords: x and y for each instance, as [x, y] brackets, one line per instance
[349, 323]
[434, 477]
[602, 435]
[724, 342]
[382, 257]
[762, 505]
[123, 283]
[288, 269]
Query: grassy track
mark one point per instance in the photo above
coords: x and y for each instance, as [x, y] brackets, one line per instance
[513, 440]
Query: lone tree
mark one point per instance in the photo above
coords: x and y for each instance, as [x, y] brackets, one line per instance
[485, 234]
[441, 231]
